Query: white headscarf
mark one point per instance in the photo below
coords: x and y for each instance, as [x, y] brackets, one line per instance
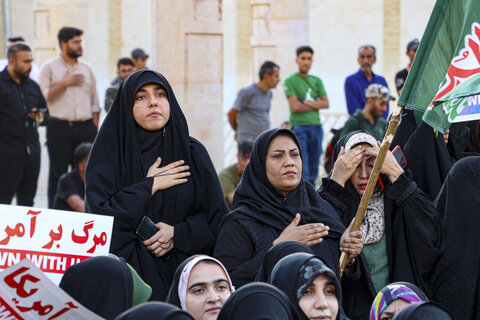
[183, 281]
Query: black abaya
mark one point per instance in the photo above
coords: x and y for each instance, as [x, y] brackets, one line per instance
[428, 159]
[260, 213]
[457, 277]
[116, 185]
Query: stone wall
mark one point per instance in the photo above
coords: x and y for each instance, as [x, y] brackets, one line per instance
[209, 49]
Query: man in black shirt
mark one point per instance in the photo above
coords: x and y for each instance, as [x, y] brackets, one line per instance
[71, 186]
[21, 105]
[401, 75]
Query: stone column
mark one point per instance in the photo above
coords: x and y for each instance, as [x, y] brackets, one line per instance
[190, 55]
[114, 35]
[22, 26]
[278, 28]
[391, 42]
[244, 50]
[49, 17]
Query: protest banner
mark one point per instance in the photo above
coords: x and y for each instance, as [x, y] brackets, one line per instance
[27, 294]
[52, 239]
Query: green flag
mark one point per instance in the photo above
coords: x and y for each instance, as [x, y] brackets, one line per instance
[460, 104]
[449, 53]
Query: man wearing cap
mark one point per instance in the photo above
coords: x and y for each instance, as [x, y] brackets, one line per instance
[70, 89]
[356, 83]
[401, 76]
[370, 118]
[139, 58]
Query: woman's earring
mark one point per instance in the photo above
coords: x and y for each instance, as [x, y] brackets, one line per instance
[164, 131]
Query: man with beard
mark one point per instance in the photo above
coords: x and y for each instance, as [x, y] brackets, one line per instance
[357, 83]
[125, 67]
[370, 118]
[70, 89]
[21, 105]
[4, 62]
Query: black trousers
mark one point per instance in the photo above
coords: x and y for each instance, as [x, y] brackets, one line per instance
[62, 139]
[19, 177]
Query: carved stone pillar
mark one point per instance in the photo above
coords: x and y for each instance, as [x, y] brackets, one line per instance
[391, 42]
[278, 28]
[190, 55]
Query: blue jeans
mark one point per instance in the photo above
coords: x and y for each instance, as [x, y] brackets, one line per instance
[310, 139]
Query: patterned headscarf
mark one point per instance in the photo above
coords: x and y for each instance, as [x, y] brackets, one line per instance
[373, 224]
[389, 294]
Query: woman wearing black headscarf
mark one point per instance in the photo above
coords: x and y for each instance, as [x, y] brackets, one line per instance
[423, 311]
[258, 301]
[154, 311]
[276, 253]
[457, 276]
[273, 203]
[310, 285]
[402, 229]
[106, 285]
[144, 163]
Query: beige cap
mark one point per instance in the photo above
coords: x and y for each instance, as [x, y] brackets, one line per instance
[376, 90]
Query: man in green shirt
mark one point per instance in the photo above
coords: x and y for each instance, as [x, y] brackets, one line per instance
[371, 116]
[306, 95]
[230, 176]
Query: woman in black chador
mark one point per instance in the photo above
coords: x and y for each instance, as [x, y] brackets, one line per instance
[457, 275]
[144, 163]
[272, 204]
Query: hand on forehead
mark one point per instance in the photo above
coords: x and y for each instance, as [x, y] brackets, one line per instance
[364, 146]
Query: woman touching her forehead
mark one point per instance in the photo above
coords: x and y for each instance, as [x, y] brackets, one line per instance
[401, 228]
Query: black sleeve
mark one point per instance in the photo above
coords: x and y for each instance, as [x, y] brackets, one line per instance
[339, 198]
[66, 187]
[418, 231]
[417, 209]
[235, 250]
[197, 233]
[194, 235]
[127, 206]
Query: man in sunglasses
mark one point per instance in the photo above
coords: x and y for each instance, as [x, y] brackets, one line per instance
[370, 118]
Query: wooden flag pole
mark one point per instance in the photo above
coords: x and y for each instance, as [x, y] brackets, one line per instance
[372, 181]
